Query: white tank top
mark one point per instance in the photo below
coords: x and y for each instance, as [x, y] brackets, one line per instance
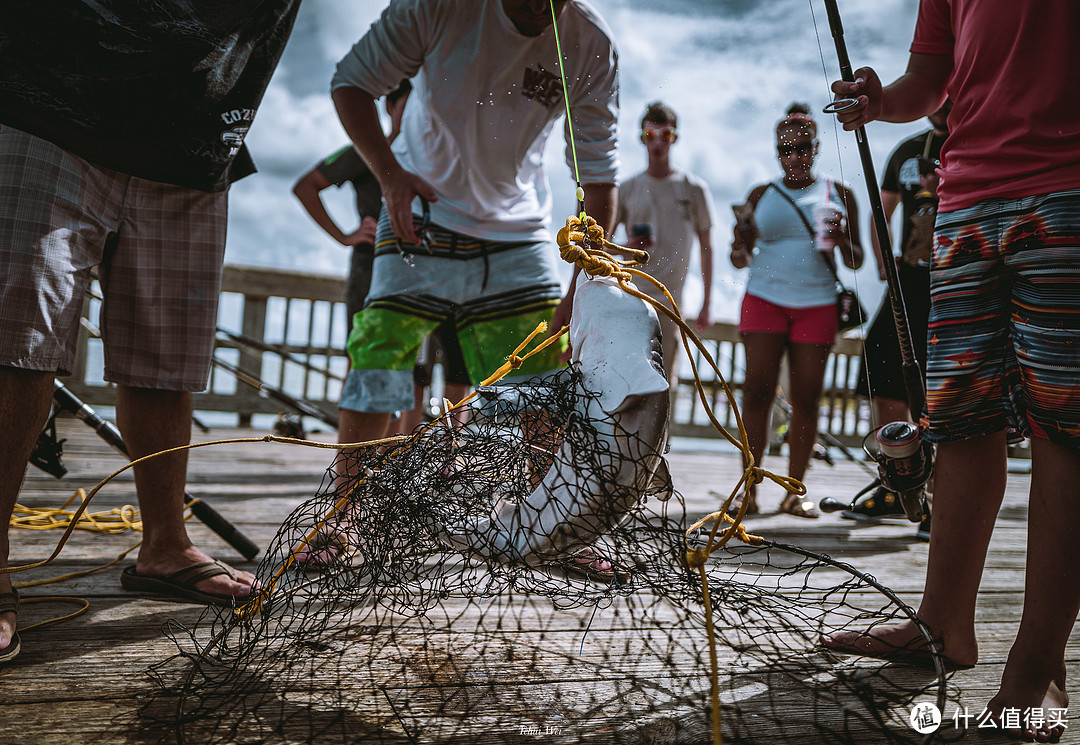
[787, 270]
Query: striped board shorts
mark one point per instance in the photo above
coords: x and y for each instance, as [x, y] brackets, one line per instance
[492, 293]
[1004, 329]
[158, 249]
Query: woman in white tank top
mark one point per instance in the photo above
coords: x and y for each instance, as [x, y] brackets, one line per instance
[790, 302]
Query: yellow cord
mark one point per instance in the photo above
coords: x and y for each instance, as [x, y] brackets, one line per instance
[582, 242]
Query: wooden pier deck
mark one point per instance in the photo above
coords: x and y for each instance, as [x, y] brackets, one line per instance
[80, 681]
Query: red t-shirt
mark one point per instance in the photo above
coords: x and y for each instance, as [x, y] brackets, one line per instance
[1014, 130]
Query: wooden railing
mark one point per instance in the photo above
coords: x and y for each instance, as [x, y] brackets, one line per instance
[843, 414]
[303, 315]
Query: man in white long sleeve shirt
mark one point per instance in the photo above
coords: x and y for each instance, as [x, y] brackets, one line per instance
[487, 93]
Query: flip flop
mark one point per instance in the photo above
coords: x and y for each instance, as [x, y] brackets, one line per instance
[800, 508]
[181, 584]
[9, 603]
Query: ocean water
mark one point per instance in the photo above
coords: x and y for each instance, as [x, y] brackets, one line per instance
[728, 67]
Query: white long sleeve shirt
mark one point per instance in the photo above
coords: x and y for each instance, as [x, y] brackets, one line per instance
[485, 98]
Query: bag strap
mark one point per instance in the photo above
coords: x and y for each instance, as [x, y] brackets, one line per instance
[802, 215]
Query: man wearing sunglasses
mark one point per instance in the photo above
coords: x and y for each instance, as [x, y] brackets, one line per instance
[664, 209]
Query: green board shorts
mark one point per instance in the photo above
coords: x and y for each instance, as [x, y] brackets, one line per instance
[493, 295]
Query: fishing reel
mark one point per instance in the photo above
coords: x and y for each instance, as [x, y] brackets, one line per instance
[48, 450]
[905, 464]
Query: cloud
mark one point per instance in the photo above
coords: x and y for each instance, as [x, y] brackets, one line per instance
[729, 67]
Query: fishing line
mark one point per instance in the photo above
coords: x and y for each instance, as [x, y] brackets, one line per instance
[580, 192]
[840, 163]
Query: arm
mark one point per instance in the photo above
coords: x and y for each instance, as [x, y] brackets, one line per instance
[308, 189]
[916, 93]
[358, 115]
[889, 200]
[746, 232]
[600, 201]
[848, 241]
[704, 319]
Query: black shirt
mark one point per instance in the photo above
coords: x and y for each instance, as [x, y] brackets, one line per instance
[902, 174]
[347, 165]
[162, 90]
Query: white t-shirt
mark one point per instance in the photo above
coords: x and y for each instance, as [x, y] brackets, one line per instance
[485, 98]
[787, 269]
[676, 208]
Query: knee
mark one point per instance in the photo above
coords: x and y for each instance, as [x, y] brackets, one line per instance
[756, 395]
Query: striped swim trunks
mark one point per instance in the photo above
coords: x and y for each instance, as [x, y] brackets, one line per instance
[1004, 330]
[492, 293]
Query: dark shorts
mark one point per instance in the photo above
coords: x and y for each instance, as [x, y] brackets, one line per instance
[443, 347]
[881, 351]
[158, 249]
[1004, 329]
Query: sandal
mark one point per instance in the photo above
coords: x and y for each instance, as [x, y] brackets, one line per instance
[181, 585]
[736, 504]
[9, 603]
[593, 565]
[795, 505]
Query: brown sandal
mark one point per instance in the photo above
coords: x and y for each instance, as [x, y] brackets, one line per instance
[795, 505]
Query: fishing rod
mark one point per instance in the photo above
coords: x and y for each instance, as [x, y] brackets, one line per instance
[108, 432]
[263, 346]
[904, 462]
[301, 405]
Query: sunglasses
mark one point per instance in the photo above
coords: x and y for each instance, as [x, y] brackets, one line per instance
[803, 148]
[667, 134]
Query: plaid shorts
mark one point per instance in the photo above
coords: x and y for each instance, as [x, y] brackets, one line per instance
[1004, 330]
[158, 248]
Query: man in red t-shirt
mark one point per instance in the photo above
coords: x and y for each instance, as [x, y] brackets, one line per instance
[1004, 328]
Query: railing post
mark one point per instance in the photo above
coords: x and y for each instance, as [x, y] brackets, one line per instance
[253, 325]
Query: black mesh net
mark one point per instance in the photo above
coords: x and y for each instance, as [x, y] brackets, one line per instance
[433, 592]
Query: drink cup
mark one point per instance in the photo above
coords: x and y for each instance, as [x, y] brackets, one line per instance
[826, 216]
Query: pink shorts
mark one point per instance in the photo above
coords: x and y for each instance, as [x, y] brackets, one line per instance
[815, 325]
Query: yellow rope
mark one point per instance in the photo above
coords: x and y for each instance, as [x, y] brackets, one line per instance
[582, 242]
[118, 520]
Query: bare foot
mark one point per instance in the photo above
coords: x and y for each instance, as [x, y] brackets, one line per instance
[165, 564]
[904, 642]
[1029, 706]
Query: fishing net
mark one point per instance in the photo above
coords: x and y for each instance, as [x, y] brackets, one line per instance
[387, 632]
[443, 588]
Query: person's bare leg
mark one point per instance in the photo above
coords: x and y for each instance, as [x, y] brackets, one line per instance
[763, 355]
[1034, 675]
[151, 421]
[970, 486]
[24, 408]
[806, 375]
[890, 410]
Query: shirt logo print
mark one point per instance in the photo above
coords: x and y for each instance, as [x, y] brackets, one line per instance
[541, 86]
